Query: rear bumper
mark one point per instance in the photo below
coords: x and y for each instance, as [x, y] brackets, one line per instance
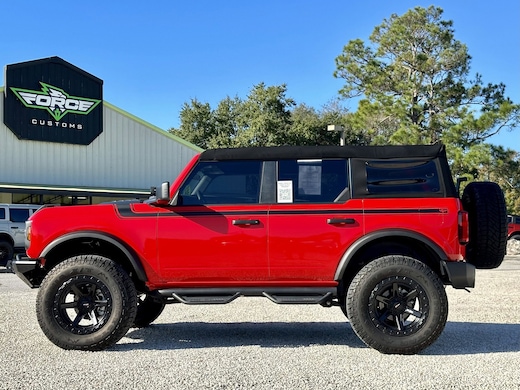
[460, 274]
[29, 270]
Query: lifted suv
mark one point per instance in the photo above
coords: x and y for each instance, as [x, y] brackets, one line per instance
[377, 231]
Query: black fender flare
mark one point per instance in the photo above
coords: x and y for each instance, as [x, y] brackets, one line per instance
[362, 241]
[128, 252]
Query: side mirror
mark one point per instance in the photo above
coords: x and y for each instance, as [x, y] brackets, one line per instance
[164, 192]
[160, 196]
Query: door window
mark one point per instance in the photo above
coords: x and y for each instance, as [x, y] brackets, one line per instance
[312, 181]
[222, 182]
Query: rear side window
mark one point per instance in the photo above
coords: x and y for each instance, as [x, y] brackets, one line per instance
[398, 177]
[2, 213]
[312, 181]
[18, 215]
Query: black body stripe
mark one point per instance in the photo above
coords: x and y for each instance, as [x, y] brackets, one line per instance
[126, 211]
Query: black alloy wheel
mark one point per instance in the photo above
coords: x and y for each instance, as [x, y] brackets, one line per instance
[83, 305]
[398, 306]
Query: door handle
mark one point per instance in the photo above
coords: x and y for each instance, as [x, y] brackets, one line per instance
[341, 221]
[245, 222]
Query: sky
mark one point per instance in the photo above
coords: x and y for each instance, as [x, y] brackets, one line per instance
[154, 56]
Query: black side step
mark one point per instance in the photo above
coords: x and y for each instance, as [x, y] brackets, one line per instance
[285, 295]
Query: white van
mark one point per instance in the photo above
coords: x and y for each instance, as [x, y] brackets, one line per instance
[12, 228]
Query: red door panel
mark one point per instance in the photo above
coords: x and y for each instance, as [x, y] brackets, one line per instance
[307, 244]
[213, 244]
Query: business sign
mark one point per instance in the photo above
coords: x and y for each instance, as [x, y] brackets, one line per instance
[54, 101]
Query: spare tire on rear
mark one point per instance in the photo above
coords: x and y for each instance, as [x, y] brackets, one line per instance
[486, 207]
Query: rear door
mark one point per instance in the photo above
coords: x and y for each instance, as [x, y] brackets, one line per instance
[313, 220]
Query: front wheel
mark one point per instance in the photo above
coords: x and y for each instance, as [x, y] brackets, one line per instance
[397, 304]
[87, 302]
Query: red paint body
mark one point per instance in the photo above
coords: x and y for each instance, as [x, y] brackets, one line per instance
[292, 244]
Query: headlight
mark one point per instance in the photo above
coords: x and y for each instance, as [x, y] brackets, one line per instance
[27, 233]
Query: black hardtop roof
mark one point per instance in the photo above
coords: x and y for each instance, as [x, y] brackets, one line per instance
[315, 152]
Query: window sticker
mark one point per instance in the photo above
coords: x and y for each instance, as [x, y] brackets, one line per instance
[309, 179]
[284, 191]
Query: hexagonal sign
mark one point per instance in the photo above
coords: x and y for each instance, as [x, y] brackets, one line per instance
[54, 101]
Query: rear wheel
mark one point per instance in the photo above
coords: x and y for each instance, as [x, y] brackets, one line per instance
[397, 304]
[86, 302]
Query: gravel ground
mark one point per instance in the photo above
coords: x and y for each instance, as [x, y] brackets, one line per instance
[253, 343]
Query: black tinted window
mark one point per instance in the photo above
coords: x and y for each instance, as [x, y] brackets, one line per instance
[311, 181]
[19, 215]
[222, 182]
[2, 213]
[402, 177]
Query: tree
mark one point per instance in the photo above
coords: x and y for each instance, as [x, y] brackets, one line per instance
[309, 126]
[263, 119]
[267, 118]
[505, 170]
[414, 86]
[197, 123]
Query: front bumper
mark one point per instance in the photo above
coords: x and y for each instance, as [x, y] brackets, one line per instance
[29, 270]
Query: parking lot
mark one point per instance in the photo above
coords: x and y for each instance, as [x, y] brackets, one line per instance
[253, 343]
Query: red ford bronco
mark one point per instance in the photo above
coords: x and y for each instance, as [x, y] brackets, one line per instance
[377, 231]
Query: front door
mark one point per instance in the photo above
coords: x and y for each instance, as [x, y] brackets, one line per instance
[217, 232]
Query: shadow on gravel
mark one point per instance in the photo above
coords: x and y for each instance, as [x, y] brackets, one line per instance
[188, 335]
[467, 338]
[458, 338]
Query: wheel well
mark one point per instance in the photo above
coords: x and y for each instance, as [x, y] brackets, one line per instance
[6, 237]
[393, 245]
[94, 246]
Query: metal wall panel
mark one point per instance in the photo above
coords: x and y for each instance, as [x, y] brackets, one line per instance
[129, 153]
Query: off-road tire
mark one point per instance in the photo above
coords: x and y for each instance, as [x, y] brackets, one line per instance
[148, 309]
[87, 302]
[6, 252]
[397, 305]
[486, 207]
